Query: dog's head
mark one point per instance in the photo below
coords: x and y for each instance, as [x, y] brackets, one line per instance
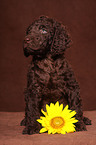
[45, 35]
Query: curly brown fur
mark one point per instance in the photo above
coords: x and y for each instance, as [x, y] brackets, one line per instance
[49, 78]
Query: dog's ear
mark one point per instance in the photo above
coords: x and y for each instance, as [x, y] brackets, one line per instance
[61, 39]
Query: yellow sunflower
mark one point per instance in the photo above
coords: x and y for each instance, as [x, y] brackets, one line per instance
[57, 119]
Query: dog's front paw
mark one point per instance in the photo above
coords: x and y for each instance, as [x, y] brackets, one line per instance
[30, 130]
[80, 126]
[23, 122]
[87, 121]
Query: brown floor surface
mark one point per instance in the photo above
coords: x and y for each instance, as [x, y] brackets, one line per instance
[11, 132]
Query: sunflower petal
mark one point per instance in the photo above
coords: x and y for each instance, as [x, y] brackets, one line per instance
[63, 131]
[48, 109]
[54, 132]
[49, 131]
[71, 129]
[57, 104]
[73, 120]
[51, 105]
[72, 113]
[61, 107]
[45, 113]
[39, 120]
[43, 130]
[66, 107]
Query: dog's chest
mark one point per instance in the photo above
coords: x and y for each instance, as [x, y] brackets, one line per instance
[48, 70]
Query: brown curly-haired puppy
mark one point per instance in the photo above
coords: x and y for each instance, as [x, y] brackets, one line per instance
[49, 78]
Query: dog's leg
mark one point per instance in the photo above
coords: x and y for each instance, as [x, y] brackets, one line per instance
[75, 104]
[32, 112]
[23, 122]
[87, 121]
[74, 100]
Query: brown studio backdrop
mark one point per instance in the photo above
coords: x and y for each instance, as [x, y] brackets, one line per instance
[15, 16]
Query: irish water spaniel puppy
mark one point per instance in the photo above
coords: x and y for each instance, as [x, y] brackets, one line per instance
[50, 78]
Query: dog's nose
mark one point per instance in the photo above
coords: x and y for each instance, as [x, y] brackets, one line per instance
[27, 39]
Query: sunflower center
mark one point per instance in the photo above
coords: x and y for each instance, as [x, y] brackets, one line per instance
[57, 122]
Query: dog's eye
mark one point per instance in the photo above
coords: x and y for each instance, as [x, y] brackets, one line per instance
[43, 31]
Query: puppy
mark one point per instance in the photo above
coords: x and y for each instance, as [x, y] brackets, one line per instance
[50, 78]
